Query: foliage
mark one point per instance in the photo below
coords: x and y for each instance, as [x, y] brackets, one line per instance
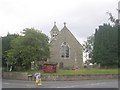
[119, 45]
[88, 47]
[105, 51]
[6, 40]
[32, 45]
[113, 19]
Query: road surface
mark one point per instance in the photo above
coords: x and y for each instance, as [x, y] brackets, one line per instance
[111, 83]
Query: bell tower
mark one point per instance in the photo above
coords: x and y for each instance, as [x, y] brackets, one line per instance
[54, 32]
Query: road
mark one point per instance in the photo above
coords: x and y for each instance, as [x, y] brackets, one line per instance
[111, 83]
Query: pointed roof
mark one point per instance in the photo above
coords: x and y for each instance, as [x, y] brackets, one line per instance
[54, 27]
[65, 31]
[64, 28]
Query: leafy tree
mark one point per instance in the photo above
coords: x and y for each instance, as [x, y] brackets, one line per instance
[88, 47]
[119, 45]
[105, 51]
[113, 19]
[106, 43]
[32, 45]
[6, 40]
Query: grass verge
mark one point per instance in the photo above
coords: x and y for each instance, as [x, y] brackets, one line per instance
[79, 72]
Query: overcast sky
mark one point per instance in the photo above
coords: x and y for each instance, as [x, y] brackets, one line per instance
[81, 16]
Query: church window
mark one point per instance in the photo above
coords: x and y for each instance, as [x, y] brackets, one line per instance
[53, 36]
[64, 50]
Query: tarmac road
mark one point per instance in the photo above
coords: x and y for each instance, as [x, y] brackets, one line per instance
[111, 83]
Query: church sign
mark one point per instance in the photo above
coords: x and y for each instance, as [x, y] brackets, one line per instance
[49, 68]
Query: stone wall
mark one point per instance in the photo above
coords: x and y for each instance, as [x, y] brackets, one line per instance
[24, 76]
[78, 77]
[15, 75]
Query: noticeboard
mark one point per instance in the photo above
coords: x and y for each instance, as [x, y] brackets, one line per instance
[49, 68]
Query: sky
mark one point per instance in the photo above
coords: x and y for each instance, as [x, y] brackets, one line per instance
[82, 17]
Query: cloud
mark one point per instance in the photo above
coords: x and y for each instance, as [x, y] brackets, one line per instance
[81, 16]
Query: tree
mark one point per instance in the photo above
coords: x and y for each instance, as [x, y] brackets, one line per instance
[113, 19]
[32, 45]
[6, 40]
[88, 47]
[119, 46]
[105, 50]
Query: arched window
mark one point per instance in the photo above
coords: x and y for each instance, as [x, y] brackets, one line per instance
[64, 50]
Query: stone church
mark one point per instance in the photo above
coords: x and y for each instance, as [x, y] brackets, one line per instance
[65, 50]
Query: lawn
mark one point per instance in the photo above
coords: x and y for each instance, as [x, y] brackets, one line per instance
[79, 72]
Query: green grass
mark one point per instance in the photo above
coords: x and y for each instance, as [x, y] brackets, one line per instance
[79, 72]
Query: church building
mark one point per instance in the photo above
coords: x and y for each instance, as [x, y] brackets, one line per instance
[65, 50]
